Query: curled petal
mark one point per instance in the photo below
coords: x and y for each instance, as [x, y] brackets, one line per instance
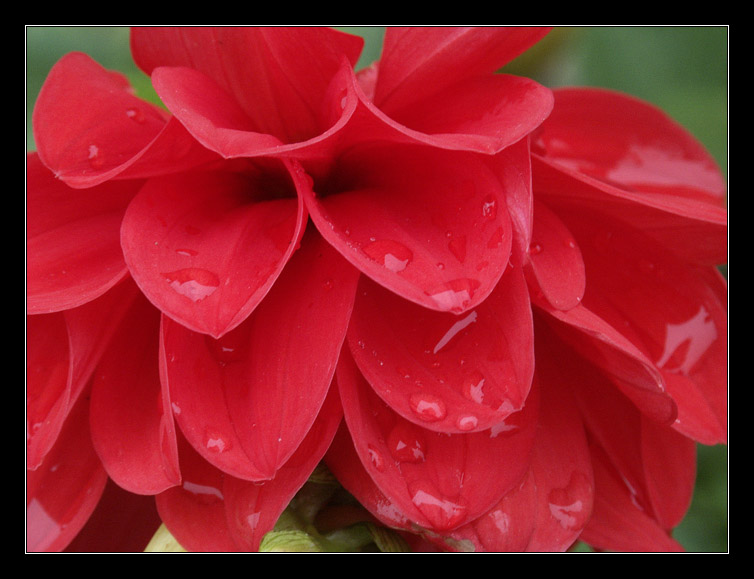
[131, 416]
[62, 493]
[247, 400]
[89, 127]
[72, 239]
[626, 158]
[444, 372]
[206, 248]
[554, 266]
[437, 481]
[419, 61]
[276, 75]
[428, 224]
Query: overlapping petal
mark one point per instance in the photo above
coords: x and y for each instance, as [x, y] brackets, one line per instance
[72, 239]
[247, 400]
[444, 372]
[115, 135]
[205, 248]
[436, 481]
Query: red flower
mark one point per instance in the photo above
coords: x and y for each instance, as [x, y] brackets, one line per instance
[196, 277]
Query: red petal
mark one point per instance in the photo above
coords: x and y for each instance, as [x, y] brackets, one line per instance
[617, 524]
[72, 239]
[205, 248]
[254, 508]
[194, 512]
[637, 164]
[122, 522]
[62, 493]
[656, 463]
[419, 61]
[554, 267]
[277, 75]
[444, 372]
[675, 314]
[62, 351]
[430, 225]
[438, 481]
[246, 401]
[132, 422]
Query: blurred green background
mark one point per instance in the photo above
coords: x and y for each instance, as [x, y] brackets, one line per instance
[683, 70]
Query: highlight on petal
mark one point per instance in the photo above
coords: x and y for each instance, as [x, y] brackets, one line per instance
[636, 163]
[429, 225]
[131, 416]
[417, 62]
[447, 373]
[206, 247]
[62, 493]
[72, 239]
[278, 76]
[554, 266]
[437, 481]
[246, 401]
[675, 314]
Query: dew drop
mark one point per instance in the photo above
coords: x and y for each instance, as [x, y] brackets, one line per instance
[467, 422]
[496, 239]
[204, 494]
[194, 283]
[427, 407]
[216, 442]
[569, 505]
[393, 255]
[457, 246]
[187, 252]
[454, 330]
[456, 295]
[489, 207]
[443, 513]
[376, 458]
[535, 248]
[136, 115]
[405, 444]
[96, 160]
[473, 387]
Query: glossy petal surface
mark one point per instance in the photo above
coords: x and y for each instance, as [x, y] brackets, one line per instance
[246, 401]
[205, 248]
[429, 225]
[438, 481]
[444, 372]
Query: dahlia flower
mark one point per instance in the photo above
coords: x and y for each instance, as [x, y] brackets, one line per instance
[489, 310]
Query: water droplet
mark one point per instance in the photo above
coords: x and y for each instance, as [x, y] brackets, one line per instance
[187, 252]
[535, 248]
[442, 513]
[328, 284]
[176, 408]
[454, 330]
[204, 494]
[473, 387]
[393, 255]
[687, 342]
[489, 207]
[456, 295]
[569, 505]
[405, 444]
[496, 239]
[194, 283]
[96, 160]
[467, 422]
[216, 442]
[376, 458]
[427, 407]
[136, 115]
